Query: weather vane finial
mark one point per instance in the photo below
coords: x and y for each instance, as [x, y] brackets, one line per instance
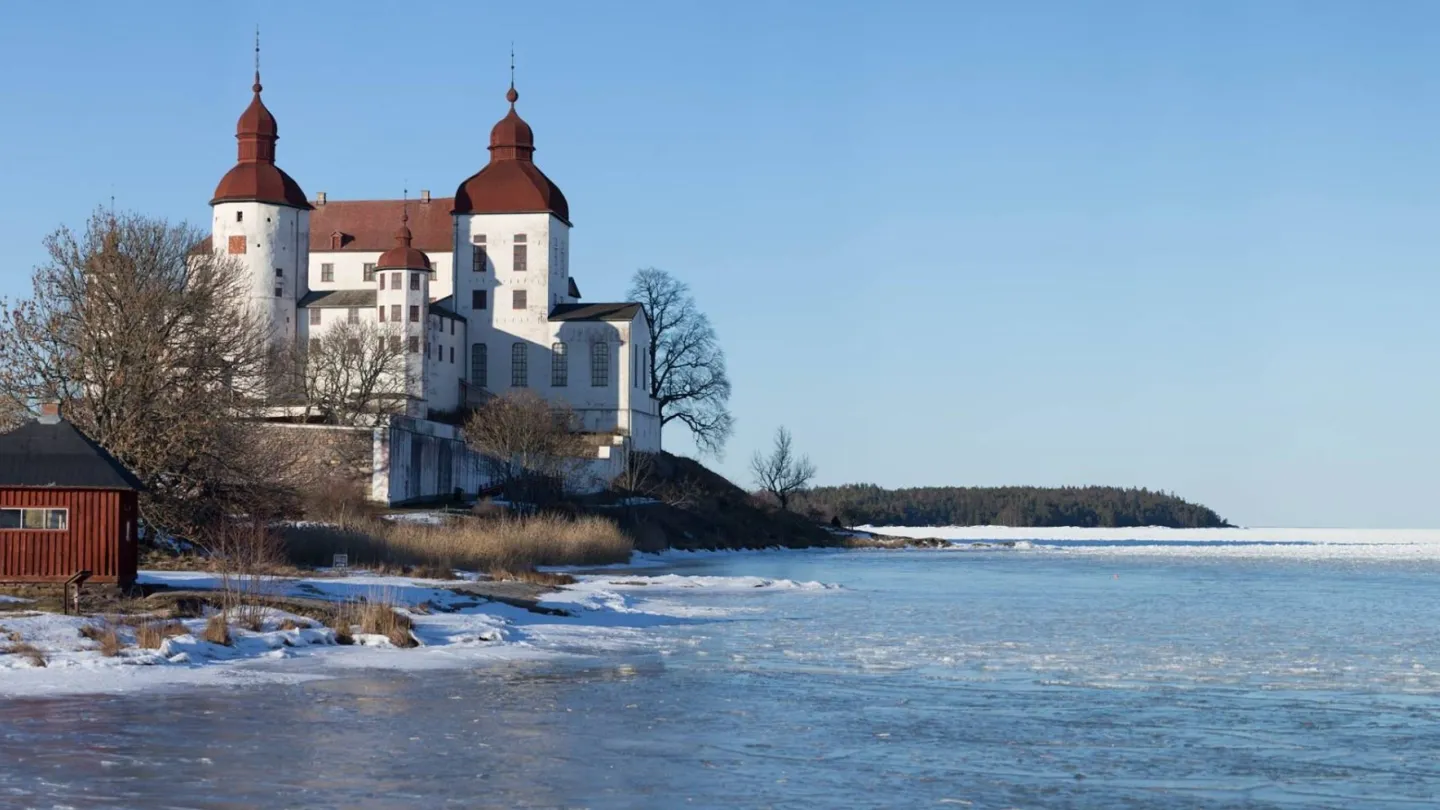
[257, 58]
[512, 63]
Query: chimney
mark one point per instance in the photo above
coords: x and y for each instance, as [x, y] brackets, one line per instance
[50, 413]
[320, 198]
[424, 196]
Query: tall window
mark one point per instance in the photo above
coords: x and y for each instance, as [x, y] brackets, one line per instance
[314, 317]
[414, 345]
[395, 344]
[520, 259]
[382, 281]
[414, 313]
[599, 365]
[518, 299]
[519, 367]
[452, 354]
[369, 270]
[478, 365]
[382, 313]
[477, 257]
[477, 299]
[394, 281]
[279, 272]
[395, 313]
[353, 316]
[559, 365]
[414, 281]
[327, 271]
[239, 216]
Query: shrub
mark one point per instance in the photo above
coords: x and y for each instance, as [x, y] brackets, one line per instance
[30, 651]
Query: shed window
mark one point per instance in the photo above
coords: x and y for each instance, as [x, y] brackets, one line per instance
[35, 519]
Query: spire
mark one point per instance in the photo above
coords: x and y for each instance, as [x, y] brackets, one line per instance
[403, 237]
[256, 87]
[255, 175]
[512, 96]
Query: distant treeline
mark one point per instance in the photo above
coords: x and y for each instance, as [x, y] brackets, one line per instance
[858, 504]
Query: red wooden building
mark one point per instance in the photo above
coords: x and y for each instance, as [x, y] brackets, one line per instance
[66, 505]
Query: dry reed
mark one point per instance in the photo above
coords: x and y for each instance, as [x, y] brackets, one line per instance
[217, 630]
[472, 544]
[150, 635]
[26, 650]
[532, 576]
[106, 634]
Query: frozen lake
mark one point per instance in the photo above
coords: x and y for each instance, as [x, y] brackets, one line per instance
[1074, 677]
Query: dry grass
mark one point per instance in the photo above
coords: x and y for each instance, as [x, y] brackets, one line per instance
[472, 544]
[291, 624]
[13, 636]
[534, 577]
[25, 650]
[217, 630]
[106, 634]
[342, 621]
[150, 635]
[381, 619]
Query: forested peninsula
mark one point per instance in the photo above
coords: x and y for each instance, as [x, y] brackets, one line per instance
[861, 504]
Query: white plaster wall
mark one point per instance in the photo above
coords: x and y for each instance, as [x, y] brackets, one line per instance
[329, 317]
[350, 270]
[400, 443]
[447, 366]
[277, 237]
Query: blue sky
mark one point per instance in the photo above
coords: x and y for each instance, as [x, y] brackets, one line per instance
[1185, 246]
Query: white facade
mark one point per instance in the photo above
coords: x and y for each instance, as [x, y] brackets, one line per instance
[273, 243]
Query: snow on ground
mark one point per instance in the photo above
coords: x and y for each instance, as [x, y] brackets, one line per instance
[1358, 544]
[608, 613]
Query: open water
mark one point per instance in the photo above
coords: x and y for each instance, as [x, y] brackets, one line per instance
[1029, 679]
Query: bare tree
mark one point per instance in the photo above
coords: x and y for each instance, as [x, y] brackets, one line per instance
[531, 446]
[154, 351]
[353, 373]
[687, 367]
[782, 473]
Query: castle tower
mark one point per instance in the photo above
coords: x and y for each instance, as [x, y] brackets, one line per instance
[512, 245]
[262, 219]
[402, 294]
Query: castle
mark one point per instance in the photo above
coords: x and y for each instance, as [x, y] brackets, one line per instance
[479, 284]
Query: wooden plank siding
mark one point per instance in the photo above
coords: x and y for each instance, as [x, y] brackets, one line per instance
[100, 537]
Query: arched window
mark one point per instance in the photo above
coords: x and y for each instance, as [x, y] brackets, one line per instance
[478, 363]
[599, 365]
[519, 368]
[559, 366]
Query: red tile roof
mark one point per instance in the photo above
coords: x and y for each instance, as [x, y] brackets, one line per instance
[366, 225]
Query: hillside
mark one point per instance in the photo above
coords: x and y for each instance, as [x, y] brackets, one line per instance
[857, 504]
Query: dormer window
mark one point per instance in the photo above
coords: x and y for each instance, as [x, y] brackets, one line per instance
[335, 239]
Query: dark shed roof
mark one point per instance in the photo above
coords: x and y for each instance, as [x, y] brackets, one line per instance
[595, 312]
[57, 454]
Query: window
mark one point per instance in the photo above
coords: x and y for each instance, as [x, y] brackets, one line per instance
[478, 239]
[519, 258]
[279, 292]
[427, 350]
[519, 369]
[452, 354]
[599, 365]
[477, 299]
[279, 272]
[414, 313]
[414, 281]
[395, 313]
[382, 313]
[239, 216]
[315, 344]
[314, 317]
[559, 366]
[327, 271]
[452, 326]
[353, 316]
[520, 237]
[382, 281]
[237, 244]
[395, 343]
[394, 281]
[478, 363]
[414, 345]
[352, 345]
[518, 300]
[41, 519]
[477, 257]
[369, 270]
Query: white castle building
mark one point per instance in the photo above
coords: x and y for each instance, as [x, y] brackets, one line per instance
[480, 282]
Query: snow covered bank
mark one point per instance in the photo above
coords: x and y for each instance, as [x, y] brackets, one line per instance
[1359, 544]
[606, 613]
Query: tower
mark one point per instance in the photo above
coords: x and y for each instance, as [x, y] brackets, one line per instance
[402, 296]
[260, 218]
[511, 249]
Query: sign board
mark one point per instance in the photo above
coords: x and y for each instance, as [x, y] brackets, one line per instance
[341, 561]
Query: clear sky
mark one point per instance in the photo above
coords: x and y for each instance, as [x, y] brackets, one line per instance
[1185, 246]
